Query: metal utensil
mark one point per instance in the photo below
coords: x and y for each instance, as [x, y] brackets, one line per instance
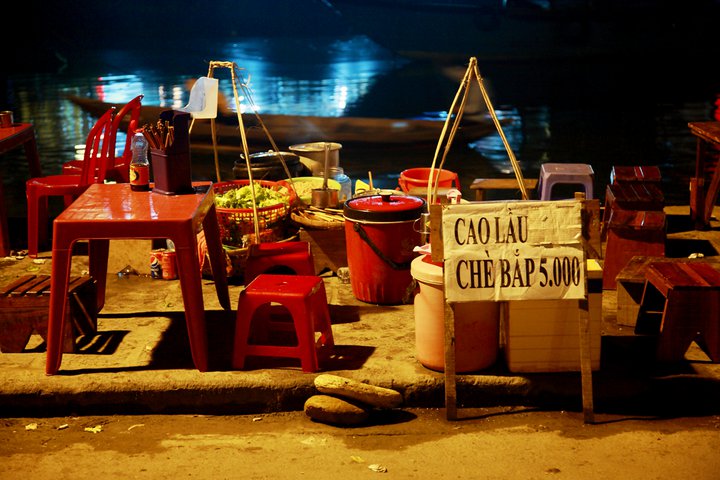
[325, 197]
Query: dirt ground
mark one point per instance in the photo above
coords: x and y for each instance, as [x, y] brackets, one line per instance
[497, 443]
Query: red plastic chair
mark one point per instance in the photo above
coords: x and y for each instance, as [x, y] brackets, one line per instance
[117, 169]
[37, 190]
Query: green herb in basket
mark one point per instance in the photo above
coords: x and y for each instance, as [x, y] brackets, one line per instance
[242, 197]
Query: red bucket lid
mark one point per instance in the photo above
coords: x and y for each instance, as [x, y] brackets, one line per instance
[384, 208]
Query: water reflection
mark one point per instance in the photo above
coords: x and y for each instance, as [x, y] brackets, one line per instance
[600, 112]
[313, 83]
[492, 147]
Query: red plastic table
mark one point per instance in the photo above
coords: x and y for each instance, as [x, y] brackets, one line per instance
[114, 211]
[10, 138]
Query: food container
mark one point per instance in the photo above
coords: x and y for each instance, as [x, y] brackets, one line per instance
[380, 239]
[477, 324]
[171, 167]
[237, 227]
[316, 151]
[269, 166]
[419, 178]
[305, 185]
[6, 119]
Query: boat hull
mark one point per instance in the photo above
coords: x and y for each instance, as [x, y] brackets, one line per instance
[287, 130]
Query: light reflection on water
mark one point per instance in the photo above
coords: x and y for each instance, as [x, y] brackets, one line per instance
[598, 113]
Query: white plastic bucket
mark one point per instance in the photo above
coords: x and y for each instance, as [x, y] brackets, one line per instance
[476, 323]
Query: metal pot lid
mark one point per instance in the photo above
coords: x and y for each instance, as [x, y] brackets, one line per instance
[315, 146]
[386, 207]
[270, 157]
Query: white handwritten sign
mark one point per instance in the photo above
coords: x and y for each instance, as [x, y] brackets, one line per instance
[513, 251]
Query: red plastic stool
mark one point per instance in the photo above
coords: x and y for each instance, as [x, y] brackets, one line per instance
[681, 301]
[631, 233]
[304, 298]
[279, 257]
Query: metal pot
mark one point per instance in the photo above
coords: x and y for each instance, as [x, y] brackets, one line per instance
[316, 151]
[268, 166]
[325, 197]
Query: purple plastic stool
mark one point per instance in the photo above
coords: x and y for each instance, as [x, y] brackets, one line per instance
[552, 174]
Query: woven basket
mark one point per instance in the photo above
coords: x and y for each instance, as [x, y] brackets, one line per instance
[236, 224]
[315, 224]
[235, 259]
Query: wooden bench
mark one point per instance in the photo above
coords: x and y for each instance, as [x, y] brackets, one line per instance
[24, 309]
[681, 302]
[635, 174]
[632, 197]
[631, 283]
[482, 185]
[631, 233]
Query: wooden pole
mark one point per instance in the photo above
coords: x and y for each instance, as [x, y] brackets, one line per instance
[450, 378]
[584, 338]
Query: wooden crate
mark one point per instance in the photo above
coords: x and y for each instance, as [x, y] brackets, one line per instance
[328, 248]
[24, 307]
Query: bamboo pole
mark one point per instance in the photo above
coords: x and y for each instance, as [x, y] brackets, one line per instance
[246, 150]
[463, 86]
[453, 122]
[213, 132]
[513, 160]
[248, 95]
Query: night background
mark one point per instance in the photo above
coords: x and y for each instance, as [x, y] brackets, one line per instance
[604, 83]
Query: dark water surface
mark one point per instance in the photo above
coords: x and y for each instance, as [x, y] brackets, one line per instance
[603, 112]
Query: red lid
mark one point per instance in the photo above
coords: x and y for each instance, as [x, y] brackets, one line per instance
[384, 208]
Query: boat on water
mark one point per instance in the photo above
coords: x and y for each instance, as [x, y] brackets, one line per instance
[289, 129]
[533, 29]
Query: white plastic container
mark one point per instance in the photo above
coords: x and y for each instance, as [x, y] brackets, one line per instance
[543, 335]
[476, 323]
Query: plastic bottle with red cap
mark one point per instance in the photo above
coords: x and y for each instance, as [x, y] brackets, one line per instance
[139, 166]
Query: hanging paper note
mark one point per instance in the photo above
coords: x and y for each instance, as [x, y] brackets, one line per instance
[203, 101]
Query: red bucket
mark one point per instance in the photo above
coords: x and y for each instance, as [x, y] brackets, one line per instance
[380, 240]
[419, 177]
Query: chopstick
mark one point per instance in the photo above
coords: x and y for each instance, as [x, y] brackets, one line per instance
[333, 216]
[160, 136]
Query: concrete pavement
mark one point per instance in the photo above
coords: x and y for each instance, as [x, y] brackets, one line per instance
[139, 362]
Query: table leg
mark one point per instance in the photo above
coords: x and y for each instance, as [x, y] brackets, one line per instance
[58, 293]
[697, 187]
[33, 158]
[98, 251]
[217, 257]
[189, 273]
[711, 195]
[4, 236]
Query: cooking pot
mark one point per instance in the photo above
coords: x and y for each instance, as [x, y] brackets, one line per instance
[316, 151]
[268, 166]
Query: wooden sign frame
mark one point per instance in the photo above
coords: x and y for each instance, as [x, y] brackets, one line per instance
[589, 220]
